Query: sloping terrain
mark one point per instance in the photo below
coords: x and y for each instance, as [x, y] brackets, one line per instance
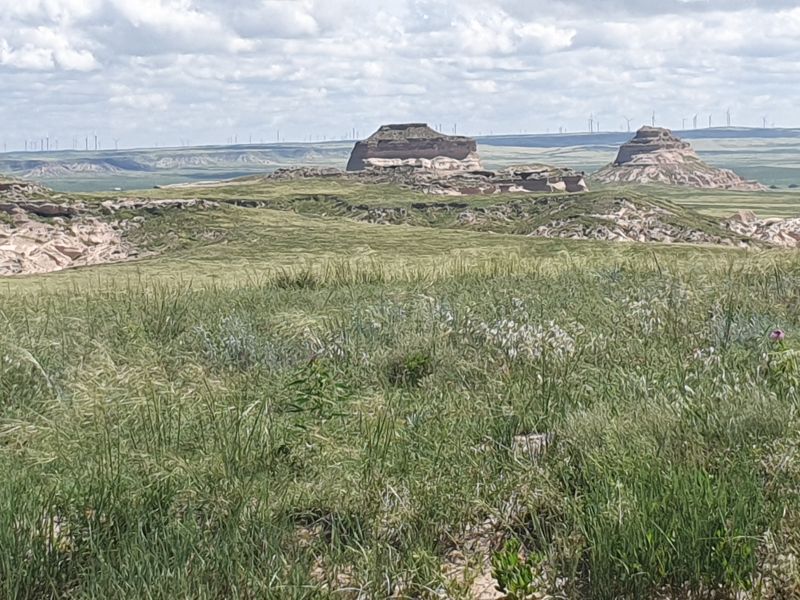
[42, 231]
[608, 214]
[252, 415]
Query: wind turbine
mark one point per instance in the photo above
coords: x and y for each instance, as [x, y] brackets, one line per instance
[653, 119]
[694, 120]
[628, 121]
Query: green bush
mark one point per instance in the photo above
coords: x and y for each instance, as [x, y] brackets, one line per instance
[409, 369]
[516, 574]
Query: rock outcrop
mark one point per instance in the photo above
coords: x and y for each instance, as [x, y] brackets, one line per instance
[629, 222]
[655, 155]
[784, 233]
[29, 246]
[42, 232]
[14, 190]
[415, 145]
[527, 178]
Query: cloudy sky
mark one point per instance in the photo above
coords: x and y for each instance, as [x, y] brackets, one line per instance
[205, 71]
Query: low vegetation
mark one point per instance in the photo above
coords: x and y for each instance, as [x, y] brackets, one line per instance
[287, 403]
[341, 426]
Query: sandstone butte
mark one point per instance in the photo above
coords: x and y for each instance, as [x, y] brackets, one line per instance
[424, 159]
[655, 155]
[415, 145]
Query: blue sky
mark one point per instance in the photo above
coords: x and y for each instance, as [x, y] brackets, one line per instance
[206, 71]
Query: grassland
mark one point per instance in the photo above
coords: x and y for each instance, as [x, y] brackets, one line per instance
[283, 404]
[290, 194]
[231, 245]
[720, 203]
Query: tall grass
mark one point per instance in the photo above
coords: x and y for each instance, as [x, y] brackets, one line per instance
[334, 431]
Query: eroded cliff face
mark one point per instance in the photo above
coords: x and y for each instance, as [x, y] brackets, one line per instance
[42, 231]
[415, 145]
[655, 155]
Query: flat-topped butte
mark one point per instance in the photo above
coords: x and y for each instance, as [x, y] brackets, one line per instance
[414, 144]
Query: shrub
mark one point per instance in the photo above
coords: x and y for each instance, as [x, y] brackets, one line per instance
[515, 573]
[409, 369]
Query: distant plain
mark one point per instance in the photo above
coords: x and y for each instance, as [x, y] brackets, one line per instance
[768, 155]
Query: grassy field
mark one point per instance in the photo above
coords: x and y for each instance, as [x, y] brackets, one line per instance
[286, 405]
[284, 194]
[232, 245]
[719, 203]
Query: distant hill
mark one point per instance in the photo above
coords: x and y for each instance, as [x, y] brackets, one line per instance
[768, 155]
[606, 139]
[137, 168]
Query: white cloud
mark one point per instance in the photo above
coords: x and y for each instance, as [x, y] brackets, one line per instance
[123, 96]
[26, 57]
[483, 86]
[164, 26]
[208, 69]
[45, 48]
[276, 18]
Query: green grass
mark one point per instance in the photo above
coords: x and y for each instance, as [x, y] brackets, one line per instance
[293, 194]
[282, 191]
[287, 405]
[232, 245]
[721, 203]
[254, 440]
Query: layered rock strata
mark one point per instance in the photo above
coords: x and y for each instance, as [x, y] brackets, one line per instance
[415, 145]
[656, 156]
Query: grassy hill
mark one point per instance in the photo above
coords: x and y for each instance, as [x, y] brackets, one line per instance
[290, 403]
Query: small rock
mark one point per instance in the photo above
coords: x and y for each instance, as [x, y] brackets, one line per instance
[531, 446]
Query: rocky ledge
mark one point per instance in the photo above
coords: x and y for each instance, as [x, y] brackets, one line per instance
[784, 233]
[520, 178]
[42, 237]
[655, 155]
[29, 246]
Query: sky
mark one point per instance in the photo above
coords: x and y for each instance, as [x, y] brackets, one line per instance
[190, 72]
